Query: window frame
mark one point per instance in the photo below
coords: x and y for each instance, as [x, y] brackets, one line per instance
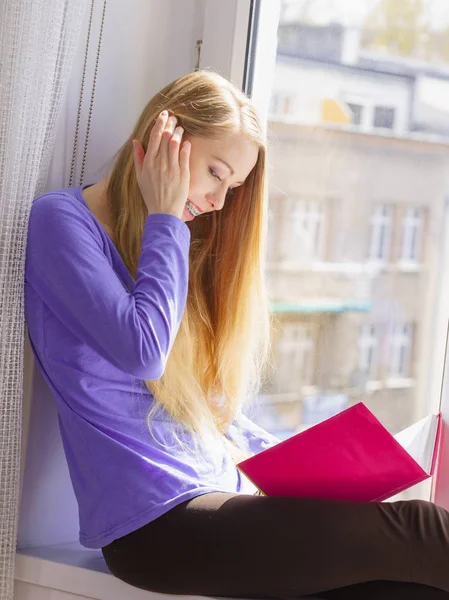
[368, 348]
[296, 348]
[411, 225]
[401, 344]
[378, 220]
[311, 213]
[369, 105]
[440, 483]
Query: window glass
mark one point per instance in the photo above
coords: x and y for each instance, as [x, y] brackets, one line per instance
[384, 117]
[358, 212]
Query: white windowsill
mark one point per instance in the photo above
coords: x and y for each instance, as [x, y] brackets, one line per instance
[76, 570]
[373, 385]
[72, 569]
[399, 382]
[318, 266]
[367, 268]
[408, 266]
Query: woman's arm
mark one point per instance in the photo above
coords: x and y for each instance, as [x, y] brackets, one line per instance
[250, 436]
[67, 267]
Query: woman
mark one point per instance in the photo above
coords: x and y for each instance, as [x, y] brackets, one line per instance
[147, 312]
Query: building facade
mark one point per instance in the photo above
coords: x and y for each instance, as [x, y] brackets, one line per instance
[358, 201]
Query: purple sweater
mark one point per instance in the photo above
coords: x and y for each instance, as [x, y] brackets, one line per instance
[96, 335]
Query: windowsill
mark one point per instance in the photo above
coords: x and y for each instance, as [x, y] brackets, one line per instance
[409, 266]
[401, 266]
[399, 382]
[369, 267]
[73, 569]
[327, 267]
[374, 385]
[379, 266]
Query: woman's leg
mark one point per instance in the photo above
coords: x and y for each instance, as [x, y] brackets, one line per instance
[384, 590]
[264, 546]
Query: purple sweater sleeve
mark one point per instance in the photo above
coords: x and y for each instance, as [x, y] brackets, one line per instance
[68, 268]
[249, 436]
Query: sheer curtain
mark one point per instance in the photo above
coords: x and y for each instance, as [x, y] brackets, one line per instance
[38, 40]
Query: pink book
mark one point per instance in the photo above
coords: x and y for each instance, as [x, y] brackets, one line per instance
[350, 456]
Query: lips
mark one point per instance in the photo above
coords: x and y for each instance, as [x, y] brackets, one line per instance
[197, 207]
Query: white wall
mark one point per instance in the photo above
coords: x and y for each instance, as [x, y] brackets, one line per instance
[146, 44]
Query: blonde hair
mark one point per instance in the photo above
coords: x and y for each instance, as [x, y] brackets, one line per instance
[223, 347]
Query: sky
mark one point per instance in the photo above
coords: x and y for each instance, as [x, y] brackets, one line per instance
[353, 12]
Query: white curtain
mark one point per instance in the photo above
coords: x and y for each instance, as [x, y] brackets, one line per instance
[38, 40]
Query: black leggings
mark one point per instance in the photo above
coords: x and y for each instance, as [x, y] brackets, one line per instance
[271, 547]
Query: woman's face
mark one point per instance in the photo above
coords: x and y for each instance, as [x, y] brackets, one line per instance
[211, 179]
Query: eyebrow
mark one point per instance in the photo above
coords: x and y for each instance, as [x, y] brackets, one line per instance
[229, 167]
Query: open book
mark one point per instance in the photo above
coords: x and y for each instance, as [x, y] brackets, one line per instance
[350, 456]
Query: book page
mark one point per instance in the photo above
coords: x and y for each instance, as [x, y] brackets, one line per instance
[419, 441]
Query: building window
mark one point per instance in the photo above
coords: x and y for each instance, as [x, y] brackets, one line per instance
[384, 116]
[281, 103]
[401, 343]
[379, 250]
[368, 351]
[368, 115]
[306, 223]
[413, 227]
[357, 113]
[295, 357]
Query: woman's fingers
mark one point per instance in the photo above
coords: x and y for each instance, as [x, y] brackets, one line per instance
[155, 136]
[163, 172]
[165, 140]
[184, 160]
[174, 145]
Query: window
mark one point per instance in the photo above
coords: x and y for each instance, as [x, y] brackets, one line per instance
[352, 206]
[369, 115]
[384, 116]
[281, 104]
[357, 113]
[401, 342]
[295, 357]
[413, 225]
[368, 351]
[306, 220]
[380, 233]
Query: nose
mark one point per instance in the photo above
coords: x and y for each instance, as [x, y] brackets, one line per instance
[218, 198]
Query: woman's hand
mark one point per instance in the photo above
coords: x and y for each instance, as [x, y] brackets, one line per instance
[163, 173]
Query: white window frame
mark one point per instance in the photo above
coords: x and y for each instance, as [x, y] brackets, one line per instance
[368, 348]
[401, 347]
[412, 232]
[224, 36]
[306, 222]
[369, 106]
[296, 350]
[381, 217]
[440, 483]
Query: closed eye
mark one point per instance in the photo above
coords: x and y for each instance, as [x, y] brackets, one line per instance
[212, 172]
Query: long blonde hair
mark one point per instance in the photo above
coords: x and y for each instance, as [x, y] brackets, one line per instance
[222, 351]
